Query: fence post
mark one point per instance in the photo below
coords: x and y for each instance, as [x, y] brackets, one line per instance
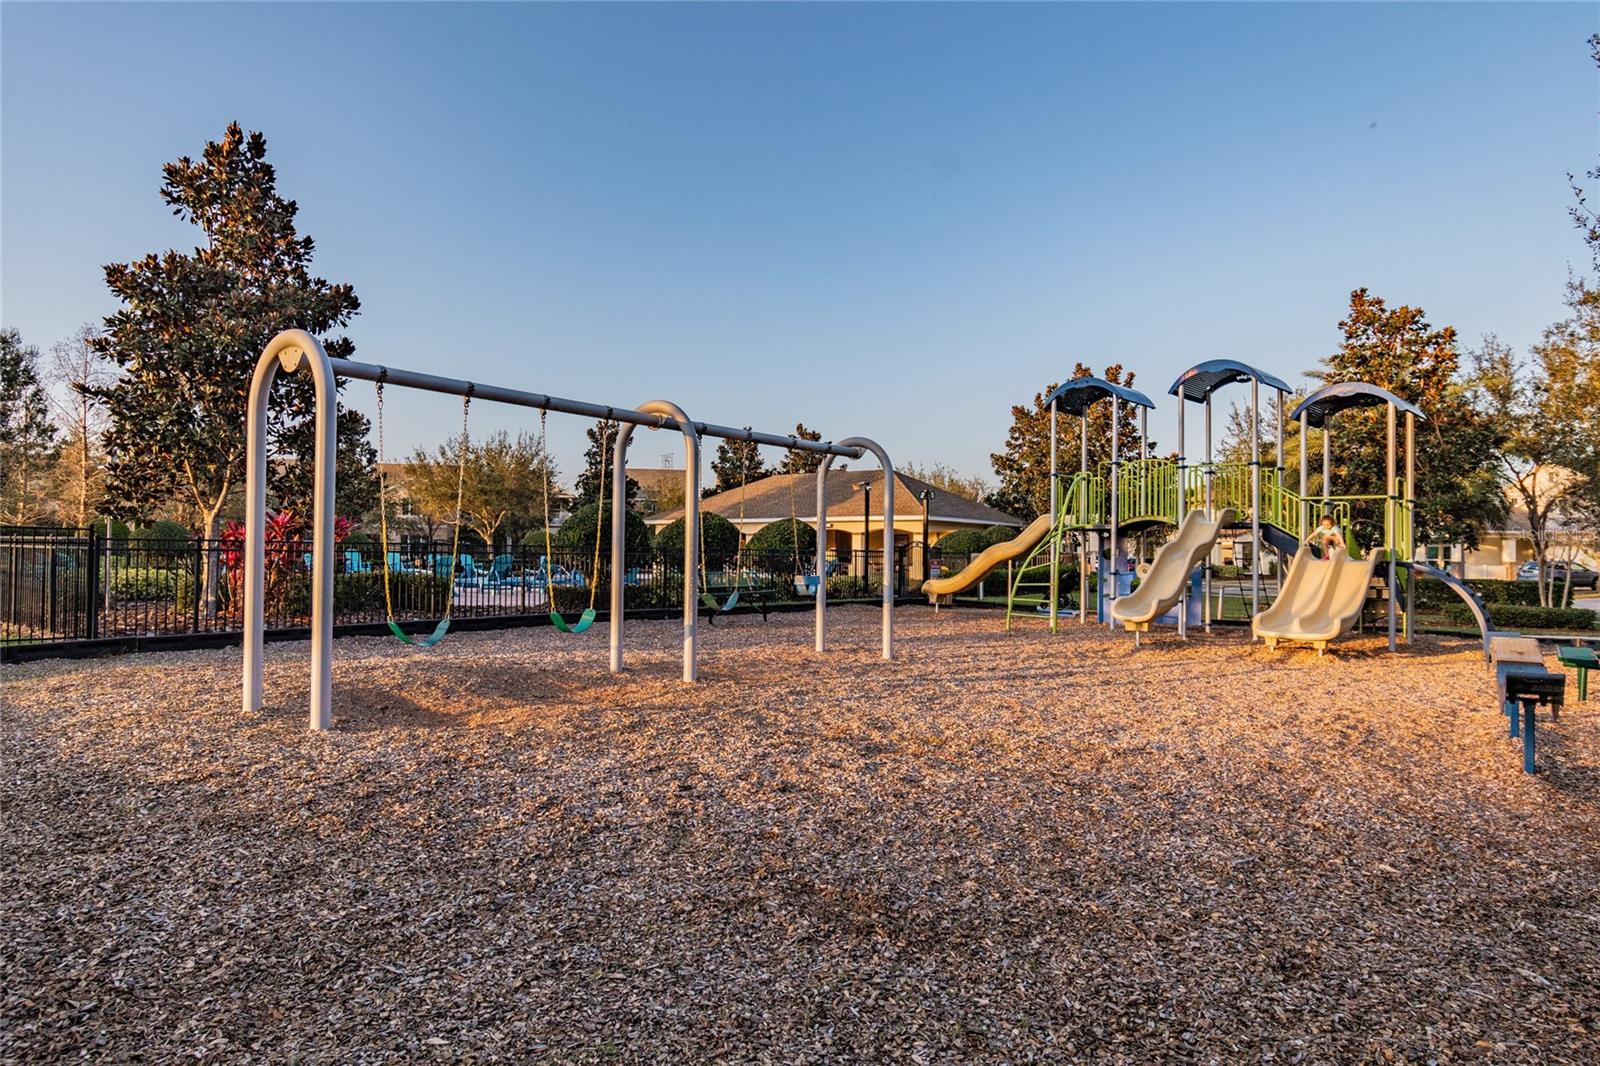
[194, 589]
[92, 597]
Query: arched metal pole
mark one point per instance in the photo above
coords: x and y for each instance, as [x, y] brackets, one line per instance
[1255, 497]
[290, 351]
[691, 532]
[1055, 540]
[821, 627]
[1109, 598]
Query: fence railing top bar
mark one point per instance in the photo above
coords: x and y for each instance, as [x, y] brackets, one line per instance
[414, 379]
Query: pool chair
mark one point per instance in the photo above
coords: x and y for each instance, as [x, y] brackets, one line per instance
[499, 575]
[469, 576]
[354, 563]
[397, 565]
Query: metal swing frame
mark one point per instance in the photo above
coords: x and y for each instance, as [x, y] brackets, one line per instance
[295, 350]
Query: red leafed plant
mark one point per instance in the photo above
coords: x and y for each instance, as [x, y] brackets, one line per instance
[286, 548]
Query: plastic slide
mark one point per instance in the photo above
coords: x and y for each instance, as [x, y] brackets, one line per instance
[1162, 587]
[1320, 599]
[940, 589]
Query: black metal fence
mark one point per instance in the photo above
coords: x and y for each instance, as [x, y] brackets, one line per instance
[64, 586]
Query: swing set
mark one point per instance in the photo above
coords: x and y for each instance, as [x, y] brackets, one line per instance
[295, 350]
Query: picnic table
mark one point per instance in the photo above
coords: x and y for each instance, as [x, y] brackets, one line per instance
[1525, 685]
[1582, 659]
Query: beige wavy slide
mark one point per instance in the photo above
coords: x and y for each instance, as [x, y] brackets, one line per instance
[1320, 599]
[1163, 585]
[940, 589]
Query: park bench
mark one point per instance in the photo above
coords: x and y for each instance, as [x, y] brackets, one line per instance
[1524, 685]
[757, 599]
[1582, 659]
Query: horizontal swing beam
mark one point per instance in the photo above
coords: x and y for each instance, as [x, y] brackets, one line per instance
[411, 379]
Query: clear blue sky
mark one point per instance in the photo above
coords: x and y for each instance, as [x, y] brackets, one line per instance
[884, 220]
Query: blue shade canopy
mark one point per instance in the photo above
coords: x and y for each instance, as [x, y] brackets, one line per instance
[1331, 399]
[1076, 396]
[1199, 382]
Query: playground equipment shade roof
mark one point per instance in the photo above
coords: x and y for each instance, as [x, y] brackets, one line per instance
[1078, 395]
[1331, 399]
[1201, 380]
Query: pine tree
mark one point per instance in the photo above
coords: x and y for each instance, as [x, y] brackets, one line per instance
[738, 462]
[190, 331]
[797, 462]
[1024, 467]
[27, 436]
[597, 459]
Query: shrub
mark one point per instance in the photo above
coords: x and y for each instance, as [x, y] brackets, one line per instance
[1431, 593]
[576, 534]
[363, 594]
[1519, 616]
[721, 540]
[962, 542]
[780, 536]
[144, 582]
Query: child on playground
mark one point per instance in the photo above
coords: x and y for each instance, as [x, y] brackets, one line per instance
[1327, 537]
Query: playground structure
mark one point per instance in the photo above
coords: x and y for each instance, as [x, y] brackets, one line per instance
[295, 350]
[1125, 496]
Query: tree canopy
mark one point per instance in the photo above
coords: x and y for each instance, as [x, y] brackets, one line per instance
[189, 332]
[737, 463]
[797, 462]
[1024, 466]
[596, 476]
[502, 483]
[27, 434]
[1458, 493]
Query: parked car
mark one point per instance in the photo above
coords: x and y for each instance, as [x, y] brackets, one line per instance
[1582, 577]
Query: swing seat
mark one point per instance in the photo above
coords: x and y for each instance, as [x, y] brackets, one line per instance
[428, 641]
[585, 620]
[711, 602]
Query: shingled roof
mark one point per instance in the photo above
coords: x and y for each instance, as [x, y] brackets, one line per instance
[772, 498]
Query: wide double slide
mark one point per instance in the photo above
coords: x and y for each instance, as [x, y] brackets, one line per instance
[1320, 600]
[940, 589]
[1163, 585]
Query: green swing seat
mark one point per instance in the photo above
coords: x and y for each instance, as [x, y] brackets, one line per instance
[723, 608]
[585, 620]
[417, 641]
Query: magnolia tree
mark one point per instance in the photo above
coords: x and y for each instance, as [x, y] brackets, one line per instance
[189, 332]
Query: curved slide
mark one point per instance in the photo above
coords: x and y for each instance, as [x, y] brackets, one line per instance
[940, 589]
[1320, 599]
[1480, 610]
[1169, 572]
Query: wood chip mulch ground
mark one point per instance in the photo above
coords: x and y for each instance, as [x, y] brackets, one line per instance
[1002, 848]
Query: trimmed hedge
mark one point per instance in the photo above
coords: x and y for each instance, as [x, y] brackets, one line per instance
[721, 540]
[780, 536]
[973, 541]
[1431, 593]
[1518, 616]
[577, 532]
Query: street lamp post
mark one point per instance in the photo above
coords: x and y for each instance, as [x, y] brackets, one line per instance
[866, 531]
[926, 496]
